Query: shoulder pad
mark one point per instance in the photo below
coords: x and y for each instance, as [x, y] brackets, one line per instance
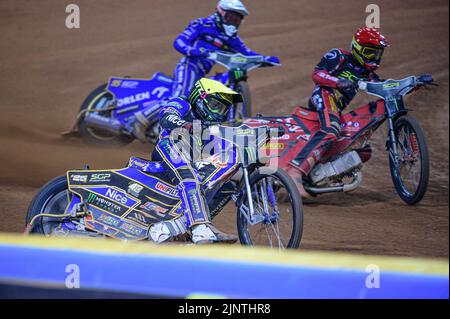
[333, 54]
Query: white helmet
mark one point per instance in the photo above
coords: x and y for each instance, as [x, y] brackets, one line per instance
[233, 5]
[229, 23]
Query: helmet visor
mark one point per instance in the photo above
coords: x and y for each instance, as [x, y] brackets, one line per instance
[372, 54]
[217, 105]
[233, 18]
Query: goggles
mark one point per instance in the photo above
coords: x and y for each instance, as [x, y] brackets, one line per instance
[232, 18]
[372, 54]
[216, 105]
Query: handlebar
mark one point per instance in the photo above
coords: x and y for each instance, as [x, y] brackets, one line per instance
[238, 60]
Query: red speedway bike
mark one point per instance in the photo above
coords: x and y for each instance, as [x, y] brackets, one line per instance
[340, 168]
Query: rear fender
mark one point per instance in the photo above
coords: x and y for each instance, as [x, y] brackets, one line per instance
[123, 203]
[133, 94]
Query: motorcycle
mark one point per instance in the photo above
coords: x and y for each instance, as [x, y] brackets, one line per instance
[107, 114]
[125, 203]
[340, 168]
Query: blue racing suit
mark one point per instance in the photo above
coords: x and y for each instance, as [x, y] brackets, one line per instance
[202, 35]
[193, 175]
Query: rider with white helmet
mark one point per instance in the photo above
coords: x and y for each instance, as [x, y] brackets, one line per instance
[217, 32]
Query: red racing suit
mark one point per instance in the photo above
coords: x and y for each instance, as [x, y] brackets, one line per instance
[328, 101]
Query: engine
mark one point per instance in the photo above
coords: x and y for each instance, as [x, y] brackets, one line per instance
[323, 174]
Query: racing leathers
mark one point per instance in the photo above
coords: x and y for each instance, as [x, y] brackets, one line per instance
[181, 151]
[336, 77]
[200, 37]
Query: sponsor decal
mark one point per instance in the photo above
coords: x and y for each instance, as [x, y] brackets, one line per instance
[391, 85]
[152, 207]
[135, 189]
[116, 195]
[138, 217]
[109, 220]
[194, 201]
[331, 55]
[133, 99]
[79, 178]
[116, 83]
[160, 91]
[245, 132]
[103, 203]
[175, 120]
[100, 177]
[348, 75]
[131, 229]
[129, 84]
[294, 129]
[175, 105]
[274, 146]
[166, 189]
[256, 121]
[238, 59]
[284, 137]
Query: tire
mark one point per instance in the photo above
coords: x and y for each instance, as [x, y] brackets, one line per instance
[52, 191]
[244, 109]
[294, 232]
[414, 195]
[98, 137]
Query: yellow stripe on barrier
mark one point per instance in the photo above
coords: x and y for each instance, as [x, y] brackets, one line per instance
[235, 253]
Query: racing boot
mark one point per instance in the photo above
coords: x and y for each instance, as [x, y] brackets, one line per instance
[167, 230]
[208, 234]
[297, 176]
[140, 126]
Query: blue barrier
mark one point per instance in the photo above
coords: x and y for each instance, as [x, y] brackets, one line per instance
[224, 271]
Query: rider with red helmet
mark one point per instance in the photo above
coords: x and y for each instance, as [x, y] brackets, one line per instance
[336, 77]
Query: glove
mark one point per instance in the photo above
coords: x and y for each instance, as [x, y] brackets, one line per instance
[425, 78]
[198, 53]
[344, 84]
[272, 59]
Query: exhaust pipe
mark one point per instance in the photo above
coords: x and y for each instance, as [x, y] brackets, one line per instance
[103, 123]
[337, 189]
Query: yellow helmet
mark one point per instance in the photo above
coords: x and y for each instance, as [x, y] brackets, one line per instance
[211, 100]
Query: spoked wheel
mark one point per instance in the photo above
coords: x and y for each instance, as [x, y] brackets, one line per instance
[53, 198]
[278, 219]
[99, 100]
[244, 109]
[411, 172]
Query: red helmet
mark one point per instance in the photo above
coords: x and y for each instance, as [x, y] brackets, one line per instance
[368, 46]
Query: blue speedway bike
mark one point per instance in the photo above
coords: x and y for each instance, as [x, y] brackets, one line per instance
[106, 115]
[124, 203]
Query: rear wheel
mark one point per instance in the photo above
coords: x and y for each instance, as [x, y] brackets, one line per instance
[99, 100]
[278, 219]
[53, 198]
[411, 172]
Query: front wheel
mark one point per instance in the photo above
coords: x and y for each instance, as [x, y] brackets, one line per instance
[410, 172]
[278, 219]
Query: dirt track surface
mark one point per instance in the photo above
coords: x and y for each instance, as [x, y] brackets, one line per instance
[47, 70]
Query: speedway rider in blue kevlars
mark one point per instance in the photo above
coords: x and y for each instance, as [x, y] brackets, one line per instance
[217, 32]
[209, 101]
